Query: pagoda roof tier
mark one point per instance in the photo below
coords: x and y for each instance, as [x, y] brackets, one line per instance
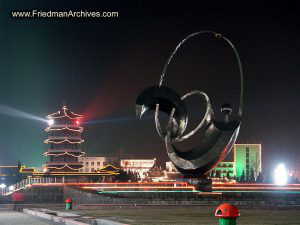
[51, 150]
[69, 127]
[63, 140]
[75, 154]
[64, 112]
[62, 165]
[60, 138]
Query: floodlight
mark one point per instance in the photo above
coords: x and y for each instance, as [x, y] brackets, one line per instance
[280, 175]
[50, 122]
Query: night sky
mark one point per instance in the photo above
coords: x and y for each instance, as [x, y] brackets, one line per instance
[99, 66]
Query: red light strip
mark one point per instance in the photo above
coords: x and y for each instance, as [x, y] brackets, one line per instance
[142, 187]
[125, 183]
[250, 184]
[256, 188]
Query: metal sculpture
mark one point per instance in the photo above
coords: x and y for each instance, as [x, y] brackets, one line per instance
[218, 137]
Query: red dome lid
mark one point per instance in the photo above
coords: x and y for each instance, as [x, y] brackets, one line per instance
[227, 210]
[69, 200]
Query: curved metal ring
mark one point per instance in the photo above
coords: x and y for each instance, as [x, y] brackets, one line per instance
[219, 36]
[205, 118]
[200, 125]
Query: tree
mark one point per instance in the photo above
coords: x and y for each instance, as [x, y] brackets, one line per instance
[293, 180]
[259, 178]
[251, 176]
[268, 178]
[218, 174]
[242, 177]
[228, 175]
[122, 176]
[234, 178]
[133, 176]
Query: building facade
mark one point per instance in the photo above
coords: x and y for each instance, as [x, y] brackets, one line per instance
[141, 166]
[247, 159]
[170, 168]
[10, 175]
[226, 168]
[242, 160]
[93, 164]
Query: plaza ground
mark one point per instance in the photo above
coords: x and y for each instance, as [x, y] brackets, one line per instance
[18, 218]
[191, 216]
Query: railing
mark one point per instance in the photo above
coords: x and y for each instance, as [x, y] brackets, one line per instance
[27, 183]
[61, 181]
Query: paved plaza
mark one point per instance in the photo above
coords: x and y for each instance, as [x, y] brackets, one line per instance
[191, 216]
[162, 216]
[16, 218]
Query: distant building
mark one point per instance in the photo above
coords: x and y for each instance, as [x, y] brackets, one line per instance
[247, 158]
[142, 166]
[92, 164]
[10, 175]
[243, 158]
[226, 168]
[170, 167]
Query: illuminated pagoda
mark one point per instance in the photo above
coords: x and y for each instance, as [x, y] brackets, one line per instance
[64, 142]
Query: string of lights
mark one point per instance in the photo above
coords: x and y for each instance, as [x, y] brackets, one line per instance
[65, 140]
[65, 166]
[65, 153]
[64, 128]
[141, 187]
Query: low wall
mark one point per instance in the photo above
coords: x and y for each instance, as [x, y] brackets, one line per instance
[56, 196]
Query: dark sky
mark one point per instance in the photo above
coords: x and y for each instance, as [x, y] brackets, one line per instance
[99, 66]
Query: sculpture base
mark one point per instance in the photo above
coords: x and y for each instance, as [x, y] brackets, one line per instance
[201, 183]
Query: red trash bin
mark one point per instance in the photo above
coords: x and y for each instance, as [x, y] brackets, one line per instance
[69, 203]
[227, 214]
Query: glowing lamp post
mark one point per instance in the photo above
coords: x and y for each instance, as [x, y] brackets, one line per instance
[2, 186]
[11, 188]
[280, 175]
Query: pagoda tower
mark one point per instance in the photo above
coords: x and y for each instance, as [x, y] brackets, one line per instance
[65, 142]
